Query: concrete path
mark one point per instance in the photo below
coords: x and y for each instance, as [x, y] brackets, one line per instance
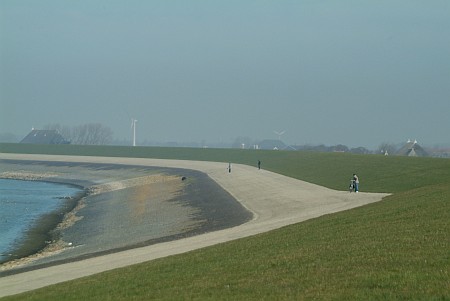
[275, 201]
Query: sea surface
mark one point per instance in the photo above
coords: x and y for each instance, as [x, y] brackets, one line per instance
[22, 203]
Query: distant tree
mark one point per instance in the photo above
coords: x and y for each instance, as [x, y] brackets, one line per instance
[85, 134]
[388, 148]
[92, 134]
[63, 130]
[339, 148]
[360, 150]
[321, 148]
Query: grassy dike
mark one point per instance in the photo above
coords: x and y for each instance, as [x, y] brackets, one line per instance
[397, 249]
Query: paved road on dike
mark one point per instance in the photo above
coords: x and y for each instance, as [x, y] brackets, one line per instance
[275, 201]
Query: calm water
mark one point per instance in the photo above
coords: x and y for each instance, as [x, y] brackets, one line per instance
[22, 203]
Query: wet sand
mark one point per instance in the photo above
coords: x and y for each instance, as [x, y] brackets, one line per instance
[122, 207]
[275, 201]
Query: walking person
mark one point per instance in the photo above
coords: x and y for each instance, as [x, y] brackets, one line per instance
[229, 167]
[355, 182]
[259, 164]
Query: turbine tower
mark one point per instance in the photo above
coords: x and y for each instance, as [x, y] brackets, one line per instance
[133, 126]
[279, 134]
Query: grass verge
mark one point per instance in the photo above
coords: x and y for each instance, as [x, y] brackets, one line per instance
[397, 249]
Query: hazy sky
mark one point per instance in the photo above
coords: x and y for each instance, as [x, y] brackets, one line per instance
[356, 72]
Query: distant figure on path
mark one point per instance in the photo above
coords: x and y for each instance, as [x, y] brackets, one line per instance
[356, 182]
[259, 164]
[229, 167]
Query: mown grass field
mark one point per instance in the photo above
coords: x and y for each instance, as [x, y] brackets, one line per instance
[397, 249]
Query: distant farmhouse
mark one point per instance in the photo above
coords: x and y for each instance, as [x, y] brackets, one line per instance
[44, 137]
[270, 144]
[412, 149]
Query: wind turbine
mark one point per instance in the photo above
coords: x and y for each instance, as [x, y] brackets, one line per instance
[133, 126]
[279, 134]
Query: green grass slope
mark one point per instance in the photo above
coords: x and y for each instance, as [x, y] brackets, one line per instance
[334, 170]
[396, 249]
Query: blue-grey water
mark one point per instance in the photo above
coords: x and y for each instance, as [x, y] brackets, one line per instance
[22, 203]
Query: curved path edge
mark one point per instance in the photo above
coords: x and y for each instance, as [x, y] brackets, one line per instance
[275, 201]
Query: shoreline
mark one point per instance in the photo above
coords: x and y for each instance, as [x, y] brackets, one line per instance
[274, 200]
[194, 198]
[42, 236]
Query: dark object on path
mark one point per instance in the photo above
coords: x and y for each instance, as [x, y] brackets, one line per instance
[183, 178]
[350, 187]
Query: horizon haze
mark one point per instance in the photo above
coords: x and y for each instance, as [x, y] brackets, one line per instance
[358, 73]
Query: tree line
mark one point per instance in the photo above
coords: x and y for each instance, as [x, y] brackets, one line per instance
[85, 134]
